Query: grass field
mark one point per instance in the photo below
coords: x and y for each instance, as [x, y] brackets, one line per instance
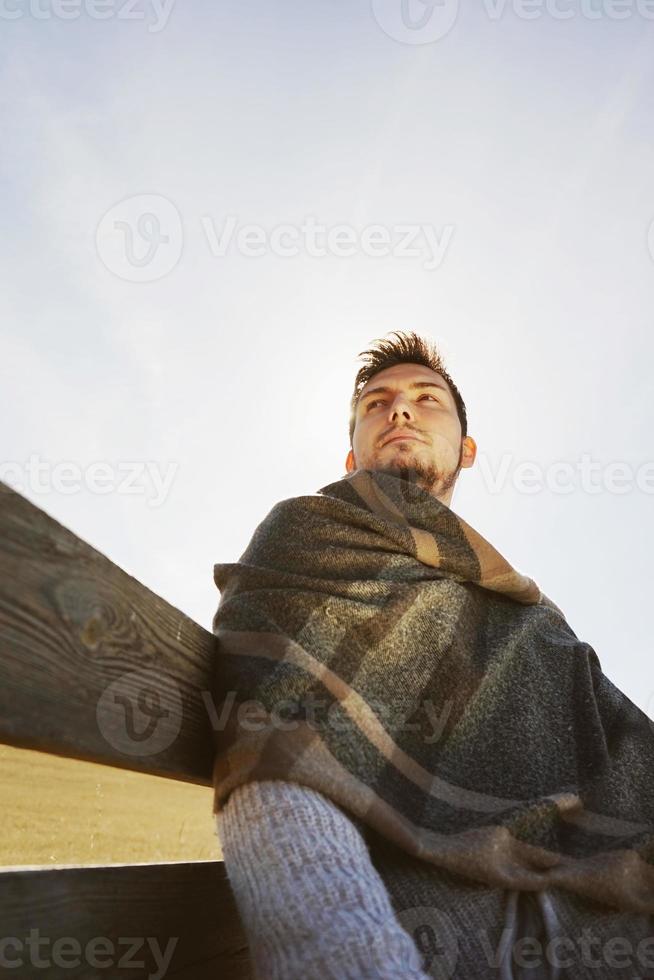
[62, 811]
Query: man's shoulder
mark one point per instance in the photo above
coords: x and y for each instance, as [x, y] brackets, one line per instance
[546, 601]
[288, 514]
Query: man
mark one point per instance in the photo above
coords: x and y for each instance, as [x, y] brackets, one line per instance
[467, 787]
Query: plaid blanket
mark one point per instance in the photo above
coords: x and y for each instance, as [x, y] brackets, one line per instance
[374, 646]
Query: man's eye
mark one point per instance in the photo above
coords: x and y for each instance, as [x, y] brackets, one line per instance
[379, 401]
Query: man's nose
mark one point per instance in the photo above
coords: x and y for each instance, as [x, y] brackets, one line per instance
[400, 407]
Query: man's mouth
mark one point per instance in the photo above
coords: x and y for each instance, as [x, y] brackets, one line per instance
[404, 435]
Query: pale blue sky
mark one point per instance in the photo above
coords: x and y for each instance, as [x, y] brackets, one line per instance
[527, 146]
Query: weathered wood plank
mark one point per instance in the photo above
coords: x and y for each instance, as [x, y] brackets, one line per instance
[67, 811]
[94, 665]
[154, 921]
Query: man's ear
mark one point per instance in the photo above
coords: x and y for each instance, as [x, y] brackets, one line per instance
[349, 462]
[468, 452]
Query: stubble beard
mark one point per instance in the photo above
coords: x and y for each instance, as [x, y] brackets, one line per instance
[426, 475]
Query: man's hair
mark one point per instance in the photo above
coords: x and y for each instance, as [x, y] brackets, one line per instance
[409, 348]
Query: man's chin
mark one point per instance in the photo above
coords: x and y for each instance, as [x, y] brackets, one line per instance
[417, 471]
[407, 470]
[411, 470]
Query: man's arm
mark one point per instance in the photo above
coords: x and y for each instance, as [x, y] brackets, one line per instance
[312, 904]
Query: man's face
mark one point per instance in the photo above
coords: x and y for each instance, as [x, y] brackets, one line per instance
[416, 403]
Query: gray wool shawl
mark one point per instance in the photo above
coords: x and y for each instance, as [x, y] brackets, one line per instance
[373, 646]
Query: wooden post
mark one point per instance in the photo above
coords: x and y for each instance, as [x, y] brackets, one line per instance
[83, 645]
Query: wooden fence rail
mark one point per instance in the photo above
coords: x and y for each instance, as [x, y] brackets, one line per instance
[95, 666]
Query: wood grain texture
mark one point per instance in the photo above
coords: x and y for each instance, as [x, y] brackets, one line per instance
[154, 921]
[93, 665]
